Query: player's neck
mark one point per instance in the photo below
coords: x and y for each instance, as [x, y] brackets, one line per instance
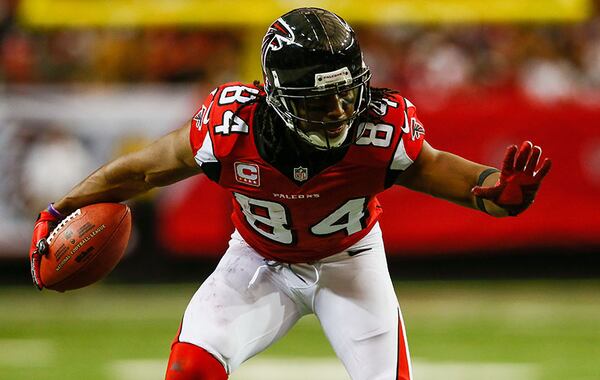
[286, 151]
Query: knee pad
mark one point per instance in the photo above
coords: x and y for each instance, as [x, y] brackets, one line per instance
[190, 362]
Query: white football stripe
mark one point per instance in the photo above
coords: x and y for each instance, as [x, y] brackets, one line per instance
[331, 369]
[474, 371]
[290, 369]
[138, 369]
[26, 353]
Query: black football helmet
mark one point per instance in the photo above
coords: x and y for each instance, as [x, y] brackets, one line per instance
[311, 60]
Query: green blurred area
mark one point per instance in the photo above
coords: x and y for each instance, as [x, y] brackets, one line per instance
[553, 325]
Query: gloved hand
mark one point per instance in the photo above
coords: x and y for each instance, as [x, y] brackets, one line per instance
[519, 180]
[46, 221]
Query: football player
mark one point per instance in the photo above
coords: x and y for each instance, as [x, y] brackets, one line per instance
[304, 156]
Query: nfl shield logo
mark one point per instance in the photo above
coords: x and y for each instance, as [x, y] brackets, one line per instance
[300, 174]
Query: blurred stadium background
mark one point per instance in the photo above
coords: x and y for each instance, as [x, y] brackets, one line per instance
[82, 81]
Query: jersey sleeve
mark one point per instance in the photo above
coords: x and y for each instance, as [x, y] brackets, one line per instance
[221, 124]
[411, 141]
[200, 140]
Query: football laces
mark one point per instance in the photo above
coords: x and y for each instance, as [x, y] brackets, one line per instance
[62, 224]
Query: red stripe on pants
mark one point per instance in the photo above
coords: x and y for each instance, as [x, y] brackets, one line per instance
[403, 371]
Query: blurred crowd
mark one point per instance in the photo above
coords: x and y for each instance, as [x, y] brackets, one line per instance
[546, 62]
[549, 62]
[111, 55]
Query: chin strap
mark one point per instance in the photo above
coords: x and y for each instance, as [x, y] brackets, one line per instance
[322, 141]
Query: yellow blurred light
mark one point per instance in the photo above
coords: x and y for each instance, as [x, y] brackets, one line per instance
[210, 13]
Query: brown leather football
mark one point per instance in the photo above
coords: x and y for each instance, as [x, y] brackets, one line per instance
[86, 246]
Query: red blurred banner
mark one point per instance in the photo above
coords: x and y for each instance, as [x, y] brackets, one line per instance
[193, 216]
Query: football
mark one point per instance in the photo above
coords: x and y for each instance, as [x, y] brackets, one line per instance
[86, 246]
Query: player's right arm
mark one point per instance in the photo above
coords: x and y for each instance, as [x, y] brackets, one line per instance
[166, 161]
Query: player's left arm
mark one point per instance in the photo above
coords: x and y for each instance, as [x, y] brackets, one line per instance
[504, 192]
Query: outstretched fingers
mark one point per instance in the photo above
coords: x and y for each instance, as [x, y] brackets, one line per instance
[544, 169]
[533, 161]
[523, 155]
[509, 160]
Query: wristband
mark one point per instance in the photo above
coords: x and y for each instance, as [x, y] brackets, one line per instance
[484, 174]
[54, 212]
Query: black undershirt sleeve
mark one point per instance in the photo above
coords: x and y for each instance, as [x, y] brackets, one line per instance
[391, 177]
[212, 170]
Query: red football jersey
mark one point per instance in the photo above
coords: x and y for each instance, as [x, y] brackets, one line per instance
[327, 213]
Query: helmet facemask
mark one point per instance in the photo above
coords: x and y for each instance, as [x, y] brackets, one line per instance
[315, 78]
[323, 115]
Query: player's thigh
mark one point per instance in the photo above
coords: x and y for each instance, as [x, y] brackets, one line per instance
[233, 317]
[359, 312]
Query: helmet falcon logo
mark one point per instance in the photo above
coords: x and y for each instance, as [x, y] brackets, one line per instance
[279, 35]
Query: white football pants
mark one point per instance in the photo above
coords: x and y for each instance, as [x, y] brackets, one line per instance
[248, 303]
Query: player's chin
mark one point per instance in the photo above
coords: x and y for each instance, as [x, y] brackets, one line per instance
[336, 131]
